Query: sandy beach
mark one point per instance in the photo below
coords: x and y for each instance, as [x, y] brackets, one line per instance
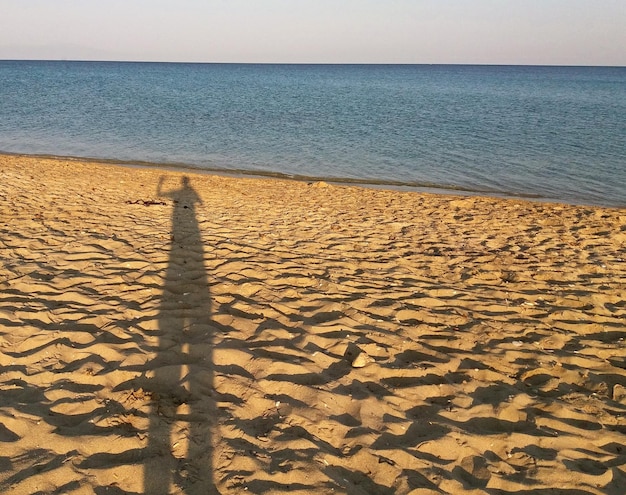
[168, 332]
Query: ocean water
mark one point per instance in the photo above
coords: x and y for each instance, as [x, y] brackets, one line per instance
[553, 133]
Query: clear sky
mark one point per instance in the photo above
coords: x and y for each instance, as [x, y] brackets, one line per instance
[552, 32]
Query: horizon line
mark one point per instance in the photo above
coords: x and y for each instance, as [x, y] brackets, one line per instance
[484, 64]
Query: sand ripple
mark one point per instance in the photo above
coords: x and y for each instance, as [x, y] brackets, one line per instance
[224, 335]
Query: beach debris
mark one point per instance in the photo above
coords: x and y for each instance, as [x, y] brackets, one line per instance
[385, 460]
[320, 184]
[362, 360]
[145, 202]
[619, 393]
[357, 357]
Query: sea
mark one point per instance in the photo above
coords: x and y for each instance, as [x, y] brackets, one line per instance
[537, 132]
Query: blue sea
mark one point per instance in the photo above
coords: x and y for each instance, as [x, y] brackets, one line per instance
[551, 133]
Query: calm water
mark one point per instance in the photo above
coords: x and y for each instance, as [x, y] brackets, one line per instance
[557, 133]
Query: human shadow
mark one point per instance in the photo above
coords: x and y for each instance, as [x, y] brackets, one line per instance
[183, 407]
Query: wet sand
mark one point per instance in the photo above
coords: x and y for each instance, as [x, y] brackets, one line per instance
[172, 332]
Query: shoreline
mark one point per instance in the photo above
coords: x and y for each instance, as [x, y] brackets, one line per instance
[448, 190]
[171, 332]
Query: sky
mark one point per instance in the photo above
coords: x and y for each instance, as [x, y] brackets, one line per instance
[541, 32]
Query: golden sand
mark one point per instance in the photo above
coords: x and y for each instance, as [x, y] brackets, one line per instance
[170, 332]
